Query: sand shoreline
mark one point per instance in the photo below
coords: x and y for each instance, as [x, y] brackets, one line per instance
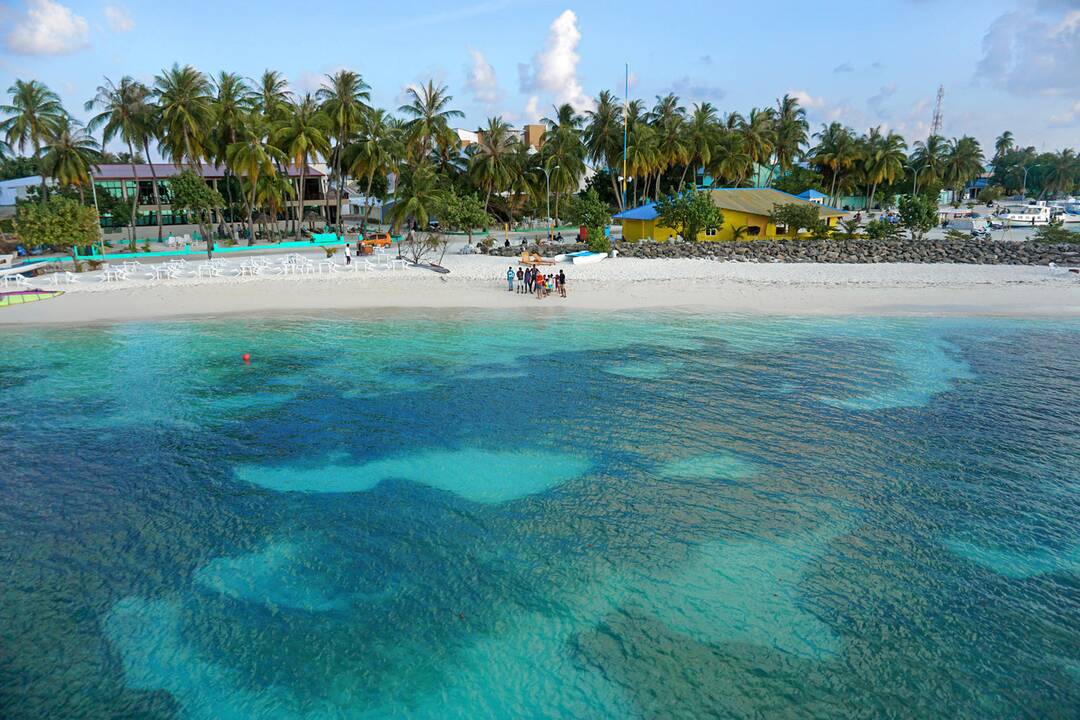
[477, 283]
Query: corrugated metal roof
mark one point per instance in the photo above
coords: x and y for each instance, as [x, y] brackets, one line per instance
[122, 171]
[761, 201]
[756, 201]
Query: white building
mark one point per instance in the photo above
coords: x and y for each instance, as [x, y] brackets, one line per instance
[16, 189]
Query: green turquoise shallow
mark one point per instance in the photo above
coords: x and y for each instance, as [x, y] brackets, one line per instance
[590, 516]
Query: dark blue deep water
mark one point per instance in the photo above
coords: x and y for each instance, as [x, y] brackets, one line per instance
[491, 515]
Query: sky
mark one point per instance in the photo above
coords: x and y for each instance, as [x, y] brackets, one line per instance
[1004, 64]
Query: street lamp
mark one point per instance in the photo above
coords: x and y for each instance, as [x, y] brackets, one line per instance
[914, 177]
[547, 198]
[1023, 190]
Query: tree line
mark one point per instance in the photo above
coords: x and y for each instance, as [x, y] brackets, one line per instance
[256, 128]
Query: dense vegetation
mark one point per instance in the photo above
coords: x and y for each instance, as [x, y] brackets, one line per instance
[255, 128]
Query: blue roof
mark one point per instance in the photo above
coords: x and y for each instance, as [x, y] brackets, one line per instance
[645, 212]
[812, 194]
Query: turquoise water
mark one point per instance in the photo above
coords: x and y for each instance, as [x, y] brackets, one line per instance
[481, 515]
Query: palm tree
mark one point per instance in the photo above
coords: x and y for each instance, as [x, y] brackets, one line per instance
[69, 156]
[604, 138]
[884, 161]
[1004, 143]
[304, 137]
[186, 114]
[759, 135]
[122, 115]
[1061, 171]
[252, 156]
[790, 134]
[641, 157]
[271, 95]
[702, 132]
[490, 164]
[729, 161]
[563, 152]
[838, 151]
[669, 117]
[929, 158]
[418, 196]
[233, 104]
[344, 97]
[963, 162]
[272, 192]
[34, 117]
[429, 114]
[374, 152]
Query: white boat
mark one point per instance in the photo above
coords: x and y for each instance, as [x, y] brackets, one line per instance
[1066, 210]
[585, 257]
[1030, 215]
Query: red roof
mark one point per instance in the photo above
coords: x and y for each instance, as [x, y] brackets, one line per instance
[122, 171]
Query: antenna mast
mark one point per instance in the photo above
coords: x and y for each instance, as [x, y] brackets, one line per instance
[935, 124]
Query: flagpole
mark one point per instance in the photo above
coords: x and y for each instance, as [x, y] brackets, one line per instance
[626, 110]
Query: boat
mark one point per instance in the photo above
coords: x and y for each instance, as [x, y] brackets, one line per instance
[19, 297]
[585, 257]
[1030, 215]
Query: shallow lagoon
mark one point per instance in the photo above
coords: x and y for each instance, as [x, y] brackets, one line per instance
[589, 516]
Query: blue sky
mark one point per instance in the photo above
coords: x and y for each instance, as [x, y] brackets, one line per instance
[1005, 64]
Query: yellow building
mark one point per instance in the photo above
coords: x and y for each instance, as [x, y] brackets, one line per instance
[742, 207]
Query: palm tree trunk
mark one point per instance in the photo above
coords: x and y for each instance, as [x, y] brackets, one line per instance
[157, 196]
[250, 213]
[832, 188]
[41, 171]
[682, 178]
[367, 202]
[873, 191]
[135, 200]
[340, 183]
[616, 190]
[300, 195]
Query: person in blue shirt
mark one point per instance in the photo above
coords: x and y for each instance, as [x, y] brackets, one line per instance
[510, 278]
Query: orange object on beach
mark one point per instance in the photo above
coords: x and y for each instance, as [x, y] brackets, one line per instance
[380, 239]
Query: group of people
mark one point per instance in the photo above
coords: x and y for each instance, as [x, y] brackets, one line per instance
[531, 280]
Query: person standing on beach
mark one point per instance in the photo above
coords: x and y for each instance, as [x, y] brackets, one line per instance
[538, 282]
[520, 280]
[528, 280]
[348, 254]
[562, 283]
[510, 278]
[209, 248]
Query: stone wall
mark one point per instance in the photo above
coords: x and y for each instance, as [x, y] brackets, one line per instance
[975, 252]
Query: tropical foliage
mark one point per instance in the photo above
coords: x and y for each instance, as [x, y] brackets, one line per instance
[56, 222]
[266, 140]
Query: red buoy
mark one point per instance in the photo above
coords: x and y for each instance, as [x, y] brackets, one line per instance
[247, 358]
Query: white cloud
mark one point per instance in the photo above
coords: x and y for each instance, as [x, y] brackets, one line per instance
[118, 19]
[554, 69]
[48, 28]
[481, 79]
[1034, 50]
[807, 100]
[531, 114]
[1068, 118]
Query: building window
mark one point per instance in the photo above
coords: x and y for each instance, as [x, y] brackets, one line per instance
[111, 187]
[781, 229]
[753, 230]
[710, 232]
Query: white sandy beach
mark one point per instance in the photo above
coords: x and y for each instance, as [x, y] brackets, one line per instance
[614, 284]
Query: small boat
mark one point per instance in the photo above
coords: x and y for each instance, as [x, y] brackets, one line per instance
[433, 267]
[585, 257]
[1036, 213]
[19, 297]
